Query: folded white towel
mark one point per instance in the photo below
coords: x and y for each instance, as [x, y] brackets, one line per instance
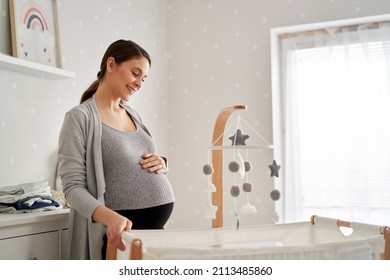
[27, 187]
[12, 194]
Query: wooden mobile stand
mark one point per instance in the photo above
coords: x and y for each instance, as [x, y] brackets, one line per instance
[217, 178]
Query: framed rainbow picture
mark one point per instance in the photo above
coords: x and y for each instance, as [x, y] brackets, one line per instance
[35, 31]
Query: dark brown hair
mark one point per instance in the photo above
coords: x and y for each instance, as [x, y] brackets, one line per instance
[121, 50]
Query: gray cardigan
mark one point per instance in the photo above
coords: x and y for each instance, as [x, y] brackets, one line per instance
[82, 175]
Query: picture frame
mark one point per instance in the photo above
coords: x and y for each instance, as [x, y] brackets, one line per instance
[35, 31]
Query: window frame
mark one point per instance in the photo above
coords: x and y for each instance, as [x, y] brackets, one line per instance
[276, 35]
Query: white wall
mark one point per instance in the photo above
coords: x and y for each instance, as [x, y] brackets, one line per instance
[207, 54]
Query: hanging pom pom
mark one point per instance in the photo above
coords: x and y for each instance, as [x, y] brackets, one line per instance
[208, 169]
[247, 187]
[248, 166]
[234, 166]
[235, 191]
[275, 195]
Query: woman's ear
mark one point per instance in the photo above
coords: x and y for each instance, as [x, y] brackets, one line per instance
[111, 64]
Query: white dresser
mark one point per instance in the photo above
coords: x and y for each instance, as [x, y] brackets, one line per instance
[38, 235]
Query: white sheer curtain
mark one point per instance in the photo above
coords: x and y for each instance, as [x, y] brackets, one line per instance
[336, 120]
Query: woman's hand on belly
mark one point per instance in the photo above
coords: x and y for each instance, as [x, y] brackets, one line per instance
[153, 163]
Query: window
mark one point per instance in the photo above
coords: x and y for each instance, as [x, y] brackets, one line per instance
[331, 102]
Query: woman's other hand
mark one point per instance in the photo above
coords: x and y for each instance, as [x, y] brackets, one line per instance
[115, 228]
[116, 225]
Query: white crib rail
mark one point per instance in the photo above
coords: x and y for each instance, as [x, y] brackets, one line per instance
[366, 242]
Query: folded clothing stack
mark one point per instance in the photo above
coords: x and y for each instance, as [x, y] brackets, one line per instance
[28, 197]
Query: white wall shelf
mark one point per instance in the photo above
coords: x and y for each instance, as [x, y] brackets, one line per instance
[32, 68]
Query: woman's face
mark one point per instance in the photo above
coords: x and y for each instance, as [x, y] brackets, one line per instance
[128, 76]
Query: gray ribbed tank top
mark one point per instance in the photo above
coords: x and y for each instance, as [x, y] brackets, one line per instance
[128, 186]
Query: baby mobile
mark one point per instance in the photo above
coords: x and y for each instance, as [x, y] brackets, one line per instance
[240, 168]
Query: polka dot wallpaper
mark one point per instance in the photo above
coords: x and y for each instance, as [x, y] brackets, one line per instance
[206, 55]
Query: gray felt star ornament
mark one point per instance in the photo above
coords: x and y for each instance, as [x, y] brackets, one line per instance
[238, 138]
[274, 169]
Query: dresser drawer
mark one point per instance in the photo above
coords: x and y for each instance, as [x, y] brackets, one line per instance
[41, 246]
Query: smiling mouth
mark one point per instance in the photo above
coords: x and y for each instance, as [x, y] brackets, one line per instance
[131, 90]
